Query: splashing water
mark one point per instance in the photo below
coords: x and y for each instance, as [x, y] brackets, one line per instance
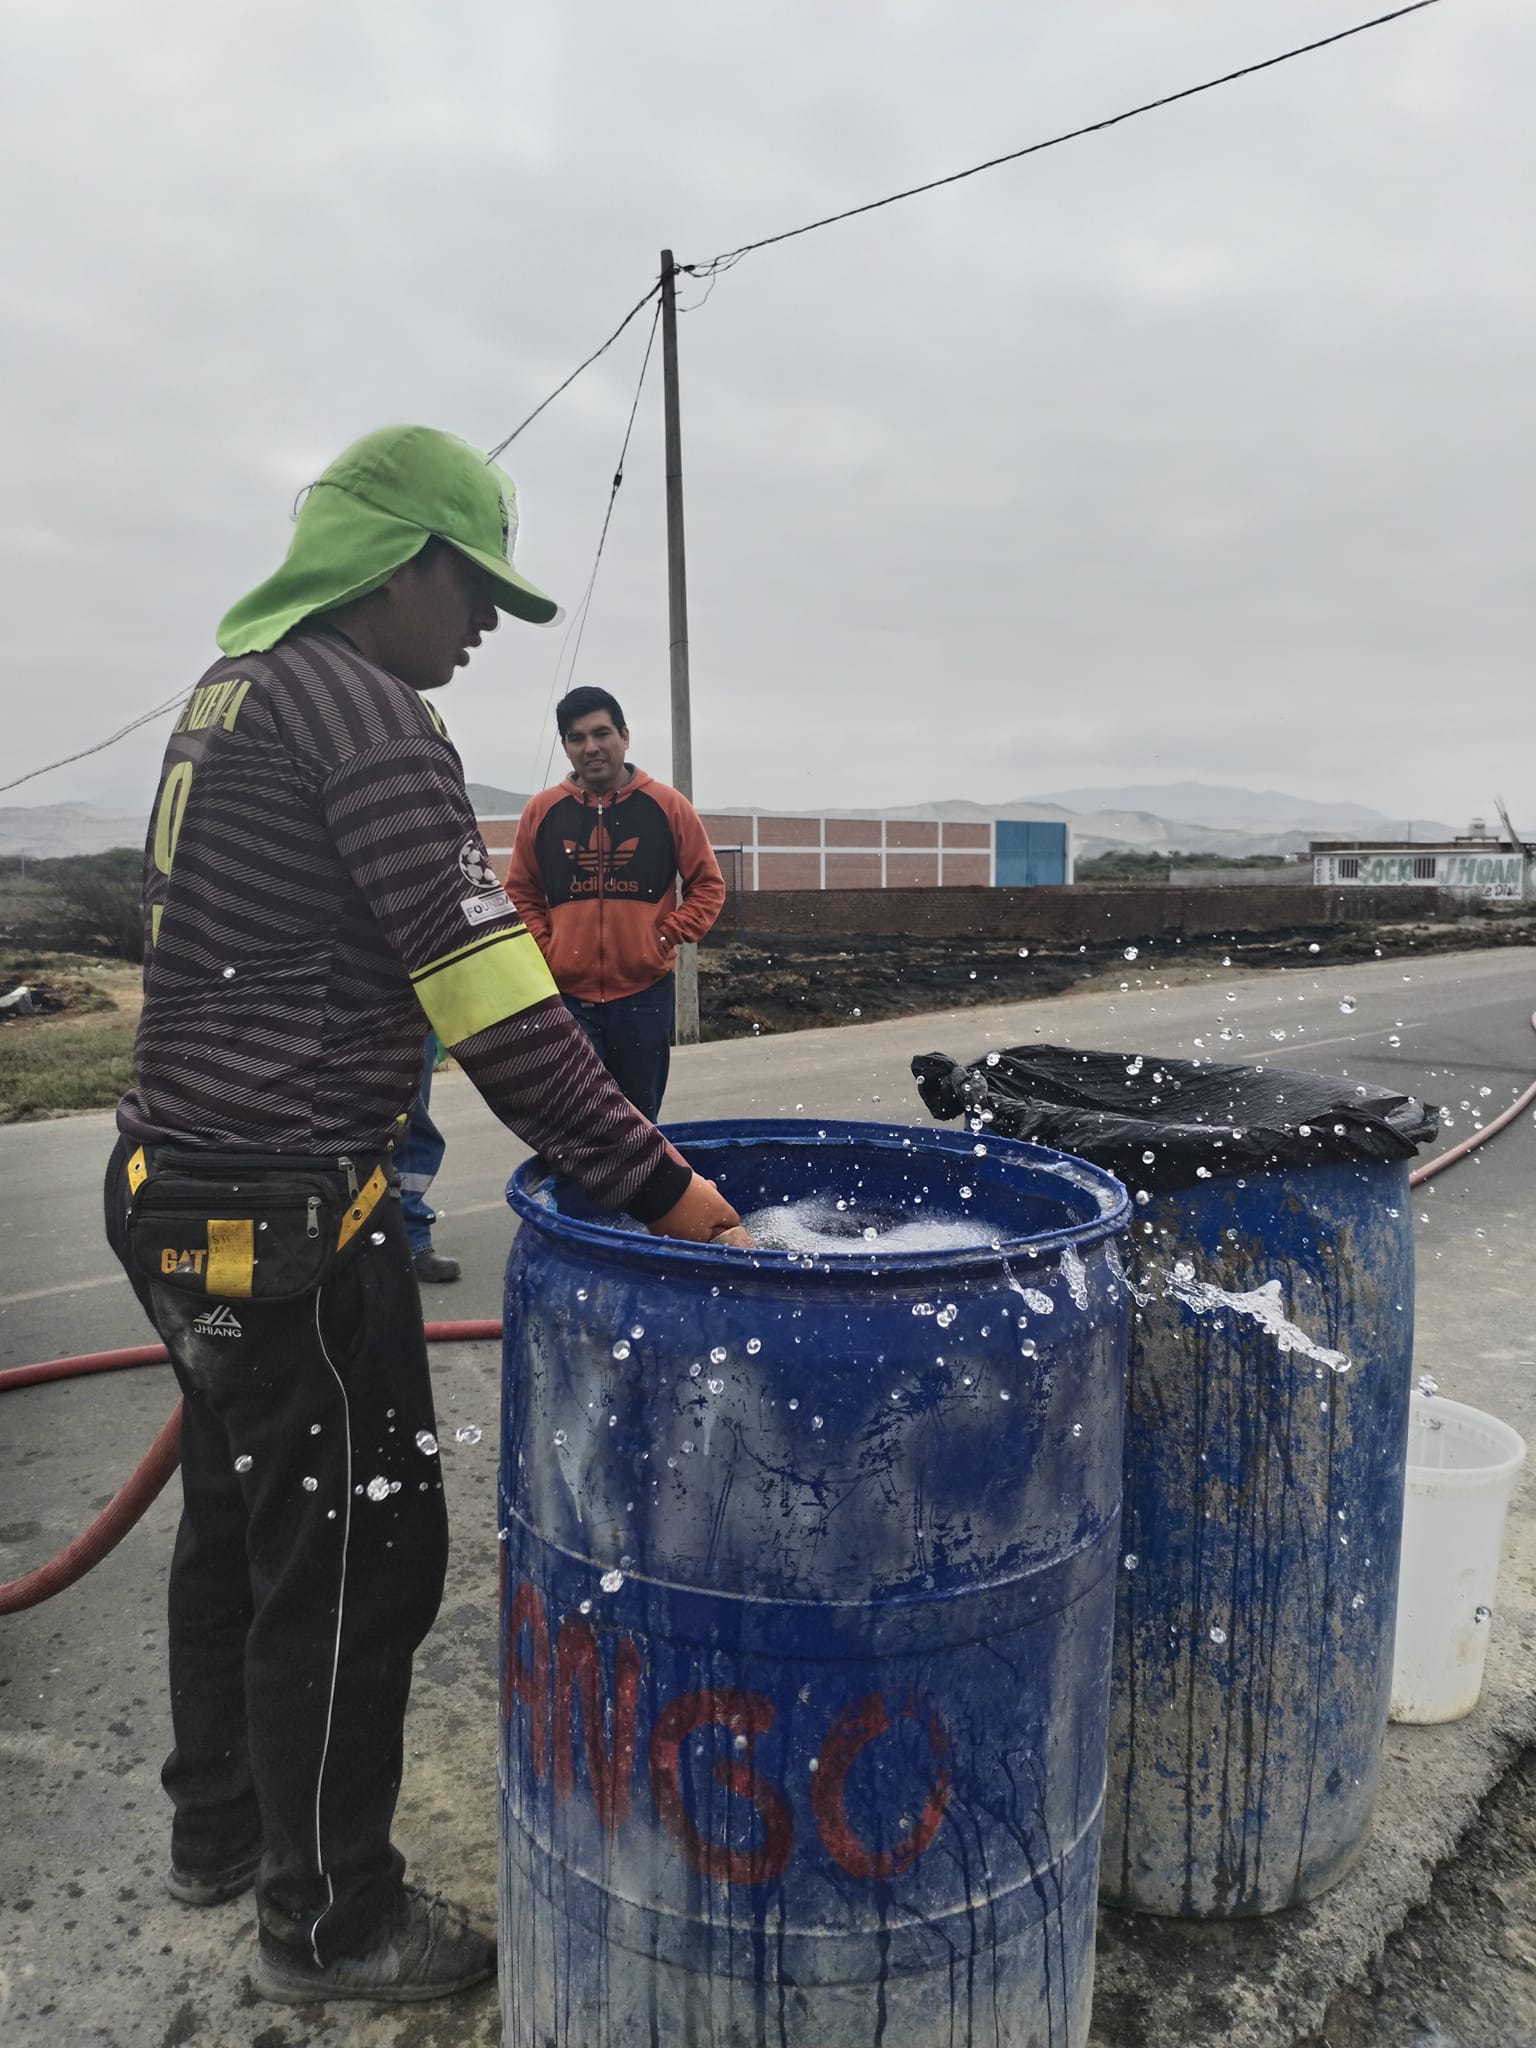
[1261, 1304]
[1077, 1277]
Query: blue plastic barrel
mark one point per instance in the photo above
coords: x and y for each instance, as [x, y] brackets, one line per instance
[1265, 1440]
[807, 1607]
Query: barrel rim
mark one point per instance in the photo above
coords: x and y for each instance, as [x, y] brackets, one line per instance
[833, 1135]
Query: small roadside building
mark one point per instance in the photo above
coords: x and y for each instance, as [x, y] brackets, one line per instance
[1478, 864]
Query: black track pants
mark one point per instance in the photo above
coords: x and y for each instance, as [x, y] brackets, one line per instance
[308, 1566]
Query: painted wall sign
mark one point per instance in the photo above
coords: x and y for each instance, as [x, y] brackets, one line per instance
[1499, 876]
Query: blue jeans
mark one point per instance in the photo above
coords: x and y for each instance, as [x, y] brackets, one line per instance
[632, 1037]
[418, 1155]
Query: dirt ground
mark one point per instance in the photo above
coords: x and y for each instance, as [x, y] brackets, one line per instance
[1462, 1971]
[759, 983]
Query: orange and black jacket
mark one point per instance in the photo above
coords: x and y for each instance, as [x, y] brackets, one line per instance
[595, 879]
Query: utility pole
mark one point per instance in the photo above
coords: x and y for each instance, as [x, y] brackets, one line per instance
[686, 1030]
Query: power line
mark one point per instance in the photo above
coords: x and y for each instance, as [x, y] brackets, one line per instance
[639, 306]
[583, 609]
[121, 733]
[714, 264]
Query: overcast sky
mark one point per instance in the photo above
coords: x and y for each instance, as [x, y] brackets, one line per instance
[1203, 448]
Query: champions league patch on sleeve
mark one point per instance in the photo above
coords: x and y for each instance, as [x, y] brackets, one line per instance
[490, 898]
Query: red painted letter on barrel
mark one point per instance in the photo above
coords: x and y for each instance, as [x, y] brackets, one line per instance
[745, 1714]
[579, 1676]
[528, 1682]
[862, 1722]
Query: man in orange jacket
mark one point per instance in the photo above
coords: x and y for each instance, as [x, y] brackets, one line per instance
[594, 871]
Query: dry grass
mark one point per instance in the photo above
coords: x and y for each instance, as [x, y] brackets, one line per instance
[77, 1053]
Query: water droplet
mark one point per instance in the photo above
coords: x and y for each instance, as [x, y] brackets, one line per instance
[1277, 1034]
[611, 1581]
[687, 1447]
[470, 1433]
[637, 1330]
[1358, 1602]
[243, 1463]
[1348, 1005]
[581, 1294]
[966, 1194]
[1314, 947]
[754, 1345]
[311, 1485]
[1393, 1039]
[857, 1011]
[1077, 1429]
[1202, 1173]
[1028, 1348]
[1023, 952]
[716, 1386]
[1131, 1560]
[815, 1422]
[870, 1233]
[426, 1443]
[947, 1315]
[621, 1349]
[980, 1151]
[1148, 1158]
[1130, 952]
[1483, 1614]
[694, 1370]
[1218, 1636]
[229, 974]
[717, 1356]
[585, 1607]
[1428, 1384]
[559, 1438]
[377, 1489]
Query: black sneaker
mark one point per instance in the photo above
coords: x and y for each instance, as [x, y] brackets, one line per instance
[432, 1266]
[426, 1949]
[213, 1887]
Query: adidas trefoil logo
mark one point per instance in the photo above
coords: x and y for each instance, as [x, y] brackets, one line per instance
[218, 1322]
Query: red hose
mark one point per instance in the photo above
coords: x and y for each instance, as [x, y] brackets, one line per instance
[110, 1526]
[161, 1459]
[149, 1476]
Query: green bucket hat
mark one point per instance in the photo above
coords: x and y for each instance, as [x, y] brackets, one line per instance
[375, 508]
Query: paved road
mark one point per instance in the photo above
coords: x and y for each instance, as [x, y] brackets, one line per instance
[91, 1952]
[1446, 1029]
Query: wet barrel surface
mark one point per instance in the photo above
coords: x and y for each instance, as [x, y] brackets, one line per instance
[809, 1574]
[1267, 1419]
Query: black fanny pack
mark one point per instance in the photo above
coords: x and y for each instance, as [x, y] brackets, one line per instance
[246, 1226]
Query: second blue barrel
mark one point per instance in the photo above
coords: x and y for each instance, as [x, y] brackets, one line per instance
[1266, 1434]
[809, 1577]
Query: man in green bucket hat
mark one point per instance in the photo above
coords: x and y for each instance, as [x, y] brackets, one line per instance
[317, 895]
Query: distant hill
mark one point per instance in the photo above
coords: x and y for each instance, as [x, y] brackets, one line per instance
[48, 830]
[1242, 810]
[491, 802]
[1172, 817]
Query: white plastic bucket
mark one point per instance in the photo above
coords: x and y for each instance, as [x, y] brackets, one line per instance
[1462, 1466]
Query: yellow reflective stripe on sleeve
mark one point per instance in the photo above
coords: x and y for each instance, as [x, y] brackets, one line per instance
[231, 1255]
[481, 984]
[362, 1208]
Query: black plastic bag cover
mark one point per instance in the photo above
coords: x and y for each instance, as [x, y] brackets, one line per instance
[1113, 1108]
